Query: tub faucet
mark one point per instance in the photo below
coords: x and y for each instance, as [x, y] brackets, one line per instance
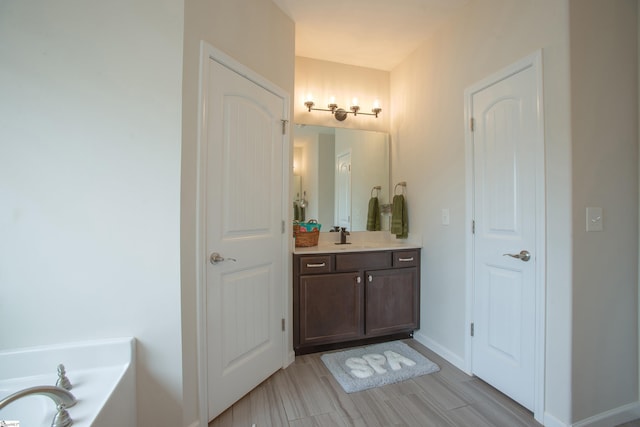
[61, 397]
[63, 381]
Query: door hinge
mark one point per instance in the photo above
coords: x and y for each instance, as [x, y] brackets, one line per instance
[472, 124]
[282, 325]
[473, 226]
[472, 329]
[284, 126]
[282, 231]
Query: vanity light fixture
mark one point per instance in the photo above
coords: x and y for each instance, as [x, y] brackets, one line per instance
[340, 113]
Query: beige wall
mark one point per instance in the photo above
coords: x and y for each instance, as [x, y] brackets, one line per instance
[427, 127]
[325, 79]
[90, 100]
[590, 102]
[260, 36]
[604, 119]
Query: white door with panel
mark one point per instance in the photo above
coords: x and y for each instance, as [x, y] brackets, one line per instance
[244, 240]
[343, 190]
[505, 123]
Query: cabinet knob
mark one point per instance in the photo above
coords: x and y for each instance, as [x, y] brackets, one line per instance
[358, 279]
[370, 278]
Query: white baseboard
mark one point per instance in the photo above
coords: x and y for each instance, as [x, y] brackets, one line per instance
[441, 351]
[551, 421]
[194, 424]
[612, 417]
[290, 359]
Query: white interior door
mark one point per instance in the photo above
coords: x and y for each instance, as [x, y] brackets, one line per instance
[343, 190]
[505, 137]
[244, 214]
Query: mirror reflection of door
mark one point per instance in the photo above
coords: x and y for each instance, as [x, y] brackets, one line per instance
[314, 161]
[343, 190]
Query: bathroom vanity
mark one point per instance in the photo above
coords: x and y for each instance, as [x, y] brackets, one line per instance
[354, 294]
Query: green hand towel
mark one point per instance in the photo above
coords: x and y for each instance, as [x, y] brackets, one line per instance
[399, 218]
[373, 215]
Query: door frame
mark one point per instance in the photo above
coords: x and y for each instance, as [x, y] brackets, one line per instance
[532, 61]
[208, 52]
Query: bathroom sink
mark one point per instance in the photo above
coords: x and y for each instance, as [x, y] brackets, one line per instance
[356, 246]
[359, 246]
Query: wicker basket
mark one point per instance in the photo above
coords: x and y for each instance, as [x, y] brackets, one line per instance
[306, 239]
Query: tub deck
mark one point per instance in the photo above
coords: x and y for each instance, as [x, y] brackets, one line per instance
[101, 372]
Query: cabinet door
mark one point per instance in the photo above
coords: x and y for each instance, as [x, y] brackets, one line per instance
[330, 308]
[391, 301]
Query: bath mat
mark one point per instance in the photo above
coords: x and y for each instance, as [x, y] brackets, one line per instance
[372, 366]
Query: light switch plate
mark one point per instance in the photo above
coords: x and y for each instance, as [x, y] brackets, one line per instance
[595, 221]
[446, 219]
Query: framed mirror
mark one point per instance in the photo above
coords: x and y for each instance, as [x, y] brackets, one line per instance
[336, 171]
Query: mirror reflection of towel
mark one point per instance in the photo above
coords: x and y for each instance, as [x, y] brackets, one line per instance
[373, 215]
[399, 217]
[296, 211]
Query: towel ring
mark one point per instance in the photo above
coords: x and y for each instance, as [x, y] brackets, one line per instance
[402, 184]
[377, 189]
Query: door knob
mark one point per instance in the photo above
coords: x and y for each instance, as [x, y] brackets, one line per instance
[216, 258]
[522, 256]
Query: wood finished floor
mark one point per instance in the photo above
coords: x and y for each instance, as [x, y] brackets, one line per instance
[305, 394]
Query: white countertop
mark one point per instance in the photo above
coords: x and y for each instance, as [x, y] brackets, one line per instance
[357, 242]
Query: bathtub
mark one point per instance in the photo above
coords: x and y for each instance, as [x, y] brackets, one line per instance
[102, 374]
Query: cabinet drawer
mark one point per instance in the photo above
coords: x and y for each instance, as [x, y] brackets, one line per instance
[405, 258]
[363, 260]
[316, 264]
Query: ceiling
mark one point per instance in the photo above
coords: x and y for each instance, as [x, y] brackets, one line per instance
[368, 33]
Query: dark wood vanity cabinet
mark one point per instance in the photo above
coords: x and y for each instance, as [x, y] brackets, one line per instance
[354, 296]
[391, 303]
[330, 308]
